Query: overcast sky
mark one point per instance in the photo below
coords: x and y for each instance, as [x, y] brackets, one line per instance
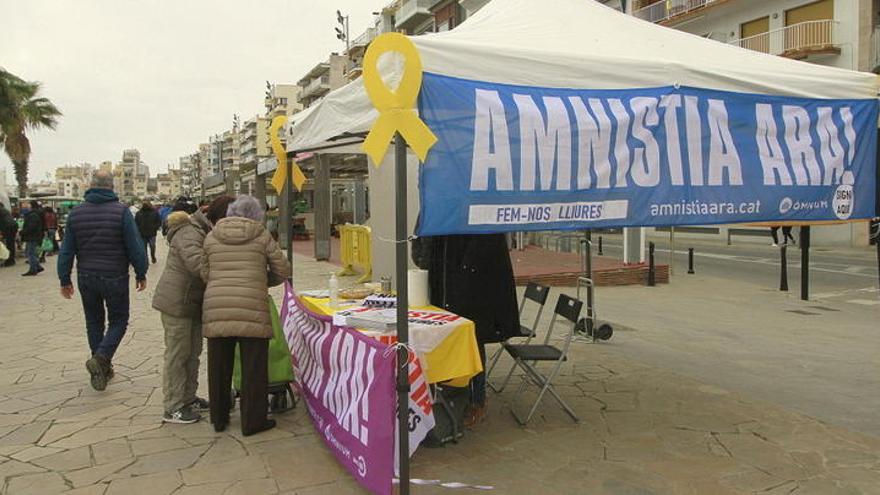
[159, 76]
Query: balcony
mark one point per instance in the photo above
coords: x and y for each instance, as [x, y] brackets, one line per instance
[412, 13]
[361, 42]
[662, 11]
[796, 41]
[316, 87]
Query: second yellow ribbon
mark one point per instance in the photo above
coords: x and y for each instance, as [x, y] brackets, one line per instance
[280, 178]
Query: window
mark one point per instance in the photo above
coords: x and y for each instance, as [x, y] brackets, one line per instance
[751, 34]
[816, 11]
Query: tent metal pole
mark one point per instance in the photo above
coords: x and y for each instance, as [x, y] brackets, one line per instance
[288, 221]
[402, 265]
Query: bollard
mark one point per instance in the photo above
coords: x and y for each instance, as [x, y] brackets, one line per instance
[651, 277]
[783, 269]
[805, 262]
[691, 261]
[600, 245]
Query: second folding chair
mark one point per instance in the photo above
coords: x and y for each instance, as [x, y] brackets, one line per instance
[527, 356]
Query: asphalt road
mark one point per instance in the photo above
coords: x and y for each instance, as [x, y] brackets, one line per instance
[832, 270]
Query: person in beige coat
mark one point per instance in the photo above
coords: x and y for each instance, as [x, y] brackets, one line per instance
[178, 297]
[241, 262]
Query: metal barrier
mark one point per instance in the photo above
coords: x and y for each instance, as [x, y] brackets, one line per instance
[356, 250]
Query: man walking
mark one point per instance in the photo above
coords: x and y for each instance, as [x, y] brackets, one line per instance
[32, 233]
[148, 222]
[101, 234]
[50, 221]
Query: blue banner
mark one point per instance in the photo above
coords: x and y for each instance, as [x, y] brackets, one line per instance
[512, 158]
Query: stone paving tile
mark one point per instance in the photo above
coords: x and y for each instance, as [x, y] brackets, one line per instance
[162, 483]
[37, 484]
[643, 430]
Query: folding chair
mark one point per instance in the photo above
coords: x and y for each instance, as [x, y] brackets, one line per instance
[527, 356]
[538, 295]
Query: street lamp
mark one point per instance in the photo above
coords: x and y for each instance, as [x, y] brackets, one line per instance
[342, 29]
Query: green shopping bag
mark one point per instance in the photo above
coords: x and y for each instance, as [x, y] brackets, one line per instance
[280, 367]
[47, 246]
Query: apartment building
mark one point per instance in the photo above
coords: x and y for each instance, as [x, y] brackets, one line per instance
[254, 142]
[72, 181]
[838, 33]
[323, 78]
[168, 185]
[282, 99]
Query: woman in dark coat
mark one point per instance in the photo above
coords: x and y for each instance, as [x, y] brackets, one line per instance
[471, 275]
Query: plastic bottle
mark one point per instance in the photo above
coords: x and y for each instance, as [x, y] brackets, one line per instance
[334, 290]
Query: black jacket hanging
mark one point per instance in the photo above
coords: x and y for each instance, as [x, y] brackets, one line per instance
[471, 275]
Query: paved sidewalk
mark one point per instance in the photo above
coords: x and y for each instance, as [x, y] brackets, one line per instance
[644, 429]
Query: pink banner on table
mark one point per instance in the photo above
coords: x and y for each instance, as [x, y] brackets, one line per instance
[347, 382]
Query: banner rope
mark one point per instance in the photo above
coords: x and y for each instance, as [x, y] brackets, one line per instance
[446, 484]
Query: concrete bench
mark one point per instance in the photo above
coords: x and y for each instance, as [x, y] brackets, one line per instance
[746, 232]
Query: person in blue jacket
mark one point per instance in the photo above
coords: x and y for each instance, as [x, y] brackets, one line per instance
[102, 236]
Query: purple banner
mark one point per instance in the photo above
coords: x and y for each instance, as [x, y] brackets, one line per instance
[347, 382]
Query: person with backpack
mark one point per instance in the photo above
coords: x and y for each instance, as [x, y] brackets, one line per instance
[148, 222]
[32, 233]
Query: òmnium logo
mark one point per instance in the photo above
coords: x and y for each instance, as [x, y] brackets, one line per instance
[785, 205]
[842, 204]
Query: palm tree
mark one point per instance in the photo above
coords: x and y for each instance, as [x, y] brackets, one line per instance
[21, 109]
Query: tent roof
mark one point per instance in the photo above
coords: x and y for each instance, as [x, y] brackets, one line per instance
[582, 44]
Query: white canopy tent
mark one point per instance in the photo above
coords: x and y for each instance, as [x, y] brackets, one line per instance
[581, 44]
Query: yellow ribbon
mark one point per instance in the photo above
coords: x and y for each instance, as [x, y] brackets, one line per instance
[396, 108]
[280, 178]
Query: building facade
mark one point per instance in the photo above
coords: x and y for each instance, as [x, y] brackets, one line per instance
[323, 78]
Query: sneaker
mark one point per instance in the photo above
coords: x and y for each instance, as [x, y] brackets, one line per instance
[774, 244]
[98, 371]
[183, 416]
[29, 274]
[200, 404]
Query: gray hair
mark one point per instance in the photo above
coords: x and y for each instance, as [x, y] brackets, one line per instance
[247, 207]
[102, 180]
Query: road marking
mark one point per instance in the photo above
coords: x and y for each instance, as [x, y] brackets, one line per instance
[864, 302]
[847, 269]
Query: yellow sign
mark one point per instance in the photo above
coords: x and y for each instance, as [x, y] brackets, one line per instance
[396, 108]
[280, 177]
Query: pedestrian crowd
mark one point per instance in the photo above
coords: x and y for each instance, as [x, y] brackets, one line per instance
[221, 262]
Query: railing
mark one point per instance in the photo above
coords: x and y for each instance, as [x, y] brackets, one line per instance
[318, 83]
[667, 9]
[355, 249]
[794, 39]
[365, 38]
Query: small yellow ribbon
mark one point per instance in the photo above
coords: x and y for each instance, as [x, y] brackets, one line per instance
[396, 108]
[280, 178]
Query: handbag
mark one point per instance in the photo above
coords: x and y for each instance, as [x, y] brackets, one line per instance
[47, 246]
[4, 252]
